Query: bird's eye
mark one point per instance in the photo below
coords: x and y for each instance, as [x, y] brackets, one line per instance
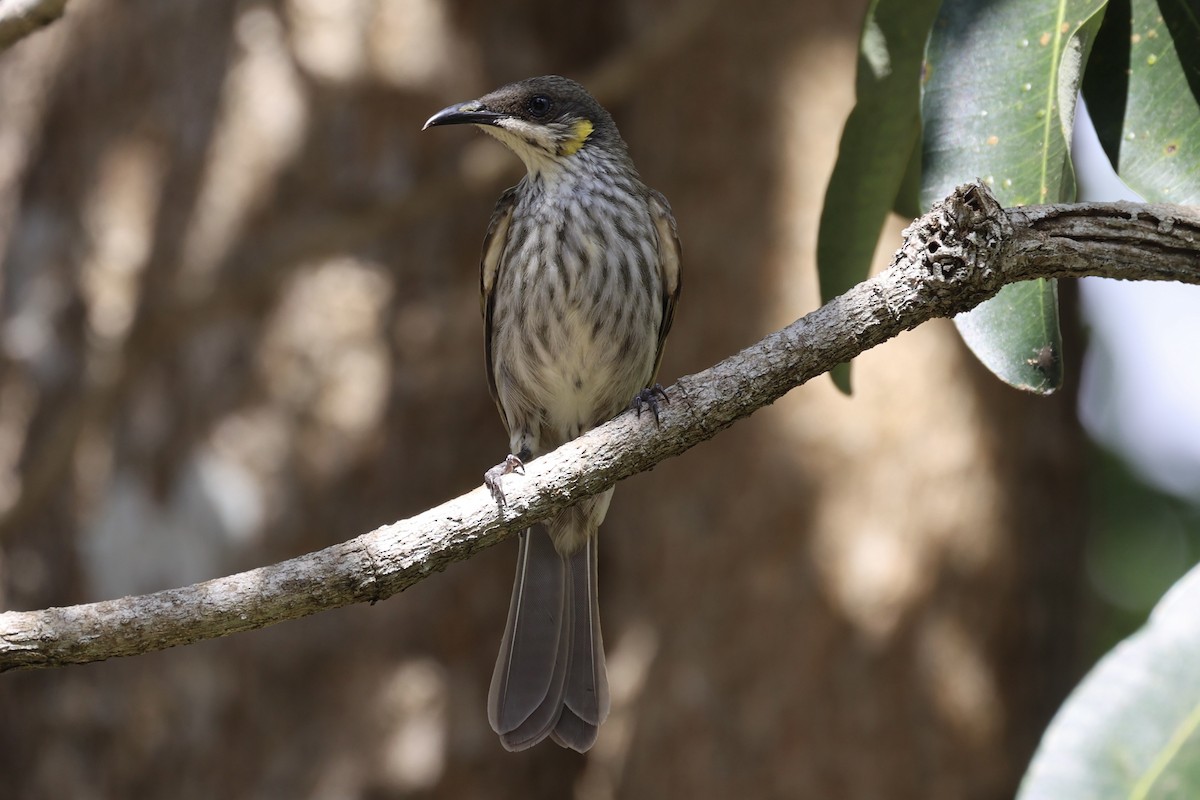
[540, 105]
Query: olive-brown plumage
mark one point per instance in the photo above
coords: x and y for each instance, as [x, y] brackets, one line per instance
[579, 277]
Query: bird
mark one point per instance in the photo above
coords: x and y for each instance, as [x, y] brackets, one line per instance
[579, 277]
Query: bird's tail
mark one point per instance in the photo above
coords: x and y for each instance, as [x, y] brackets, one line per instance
[550, 678]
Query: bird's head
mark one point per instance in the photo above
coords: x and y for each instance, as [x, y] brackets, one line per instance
[548, 121]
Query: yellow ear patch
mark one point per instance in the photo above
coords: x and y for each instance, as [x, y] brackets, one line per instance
[579, 134]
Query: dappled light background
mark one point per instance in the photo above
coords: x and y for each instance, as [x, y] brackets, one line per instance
[240, 322]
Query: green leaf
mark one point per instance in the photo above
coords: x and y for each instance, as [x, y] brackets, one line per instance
[1018, 330]
[1142, 93]
[877, 143]
[1106, 79]
[841, 377]
[998, 104]
[1131, 729]
[908, 196]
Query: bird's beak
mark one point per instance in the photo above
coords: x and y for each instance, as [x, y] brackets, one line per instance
[472, 112]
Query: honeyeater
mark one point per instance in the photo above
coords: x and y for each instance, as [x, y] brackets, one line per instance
[579, 277]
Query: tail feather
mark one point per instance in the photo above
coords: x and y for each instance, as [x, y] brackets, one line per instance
[550, 678]
[532, 663]
[586, 691]
[573, 732]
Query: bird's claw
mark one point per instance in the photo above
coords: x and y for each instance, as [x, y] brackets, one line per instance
[491, 478]
[648, 397]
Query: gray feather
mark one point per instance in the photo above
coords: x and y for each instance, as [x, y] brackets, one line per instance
[527, 684]
[586, 690]
[574, 733]
[550, 677]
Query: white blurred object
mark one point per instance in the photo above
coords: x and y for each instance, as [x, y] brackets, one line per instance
[137, 544]
[1140, 388]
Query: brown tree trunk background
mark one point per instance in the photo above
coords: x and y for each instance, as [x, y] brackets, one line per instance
[240, 322]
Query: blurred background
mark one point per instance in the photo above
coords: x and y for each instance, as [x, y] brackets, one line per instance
[239, 321]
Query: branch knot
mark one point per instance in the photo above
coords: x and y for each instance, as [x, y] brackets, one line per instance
[959, 241]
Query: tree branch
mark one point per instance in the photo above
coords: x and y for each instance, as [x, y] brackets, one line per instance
[953, 258]
[19, 18]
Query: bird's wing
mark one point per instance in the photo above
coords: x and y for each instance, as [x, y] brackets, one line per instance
[489, 268]
[669, 266]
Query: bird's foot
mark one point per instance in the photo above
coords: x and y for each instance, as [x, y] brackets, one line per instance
[491, 478]
[648, 398]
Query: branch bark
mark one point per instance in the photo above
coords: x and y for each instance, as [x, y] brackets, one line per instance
[19, 18]
[953, 258]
